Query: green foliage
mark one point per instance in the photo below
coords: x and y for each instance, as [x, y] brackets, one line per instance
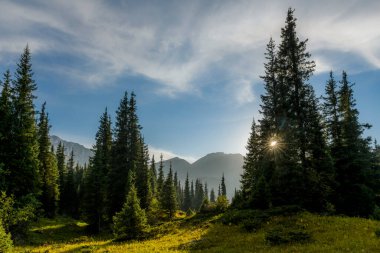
[6, 244]
[287, 160]
[221, 203]
[169, 195]
[94, 202]
[5, 131]
[280, 235]
[130, 222]
[128, 153]
[24, 175]
[48, 167]
[16, 216]
[377, 233]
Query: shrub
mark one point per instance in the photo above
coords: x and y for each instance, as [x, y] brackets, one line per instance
[16, 216]
[281, 235]
[222, 203]
[6, 244]
[377, 233]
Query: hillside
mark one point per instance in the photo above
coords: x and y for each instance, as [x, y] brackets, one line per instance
[81, 153]
[208, 234]
[210, 169]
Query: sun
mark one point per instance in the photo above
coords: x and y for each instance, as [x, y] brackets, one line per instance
[273, 143]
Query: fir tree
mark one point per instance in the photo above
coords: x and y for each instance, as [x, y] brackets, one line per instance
[352, 157]
[48, 167]
[187, 195]
[62, 172]
[130, 222]
[291, 158]
[95, 185]
[212, 195]
[129, 153]
[5, 131]
[160, 179]
[250, 166]
[169, 195]
[121, 160]
[69, 188]
[24, 175]
[153, 177]
[223, 187]
[143, 181]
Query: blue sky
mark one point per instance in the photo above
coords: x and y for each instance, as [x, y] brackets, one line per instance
[194, 65]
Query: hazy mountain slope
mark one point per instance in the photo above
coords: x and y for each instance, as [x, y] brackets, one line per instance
[210, 169]
[81, 153]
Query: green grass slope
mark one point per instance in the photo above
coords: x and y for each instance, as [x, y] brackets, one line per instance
[209, 234]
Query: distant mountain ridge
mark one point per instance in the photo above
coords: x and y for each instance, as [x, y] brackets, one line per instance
[81, 153]
[210, 169]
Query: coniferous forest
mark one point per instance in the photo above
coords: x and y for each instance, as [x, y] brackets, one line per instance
[308, 160]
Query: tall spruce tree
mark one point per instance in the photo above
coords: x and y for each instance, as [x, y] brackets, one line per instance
[48, 167]
[129, 153]
[352, 158]
[293, 163]
[5, 131]
[95, 185]
[24, 175]
[120, 161]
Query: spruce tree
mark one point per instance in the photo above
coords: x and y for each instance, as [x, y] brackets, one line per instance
[153, 177]
[24, 175]
[212, 196]
[69, 188]
[169, 195]
[223, 186]
[120, 161]
[62, 172]
[250, 166]
[48, 167]
[293, 164]
[143, 181]
[5, 131]
[96, 181]
[353, 158]
[130, 222]
[160, 179]
[129, 153]
[187, 195]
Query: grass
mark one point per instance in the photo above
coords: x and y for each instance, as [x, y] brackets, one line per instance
[208, 234]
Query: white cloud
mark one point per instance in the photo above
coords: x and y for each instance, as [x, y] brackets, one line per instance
[179, 43]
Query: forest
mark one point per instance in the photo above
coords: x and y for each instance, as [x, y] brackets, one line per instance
[307, 159]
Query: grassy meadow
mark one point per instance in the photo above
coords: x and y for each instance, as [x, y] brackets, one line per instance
[209, 234]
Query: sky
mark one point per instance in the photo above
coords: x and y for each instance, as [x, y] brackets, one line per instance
[195, 65]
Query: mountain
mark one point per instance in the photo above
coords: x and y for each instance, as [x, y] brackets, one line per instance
[210, 169]
[81, 153]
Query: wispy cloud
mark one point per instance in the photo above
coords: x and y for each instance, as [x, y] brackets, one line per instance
[178, 44]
